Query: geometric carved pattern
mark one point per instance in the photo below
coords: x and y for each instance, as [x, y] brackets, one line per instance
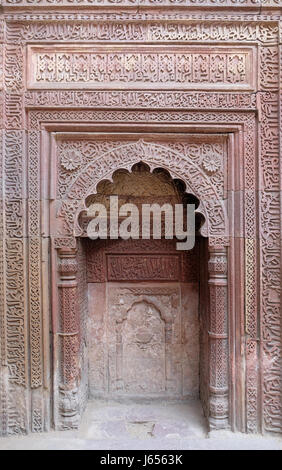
[251, 327]
[123, 3]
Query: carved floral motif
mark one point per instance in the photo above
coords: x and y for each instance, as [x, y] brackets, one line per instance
[71, 160]
[211, 163]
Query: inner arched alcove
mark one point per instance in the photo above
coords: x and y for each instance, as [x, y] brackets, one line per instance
[140, 186]
[146, 324]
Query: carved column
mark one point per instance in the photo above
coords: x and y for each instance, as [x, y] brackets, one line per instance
[68, 340]
[218, 338]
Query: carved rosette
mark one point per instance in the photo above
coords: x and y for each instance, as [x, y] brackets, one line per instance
[218, 338]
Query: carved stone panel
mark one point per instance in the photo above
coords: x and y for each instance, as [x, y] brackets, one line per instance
[140, 260]
[131, 67]
[143, 267]
[143, 339]
[142, 330]
[143, 348]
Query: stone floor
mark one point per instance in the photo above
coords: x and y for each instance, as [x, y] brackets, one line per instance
[160, 425]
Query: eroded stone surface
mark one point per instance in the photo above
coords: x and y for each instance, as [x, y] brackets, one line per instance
[156, 425]
[146, 341]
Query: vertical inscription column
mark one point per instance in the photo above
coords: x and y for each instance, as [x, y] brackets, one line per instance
[15, 396]
[218, 338]
[68, 341]
[270, 239]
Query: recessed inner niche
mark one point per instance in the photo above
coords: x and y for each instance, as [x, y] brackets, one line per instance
[143, 327]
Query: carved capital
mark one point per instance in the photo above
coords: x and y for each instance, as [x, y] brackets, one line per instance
[67, 265]
[217, 264]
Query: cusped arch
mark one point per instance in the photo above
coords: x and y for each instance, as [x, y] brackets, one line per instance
[164, 313]
[103, 167]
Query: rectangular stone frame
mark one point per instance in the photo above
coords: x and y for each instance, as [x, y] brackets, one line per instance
[236, 132]
[22, 245]
[66, 384]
